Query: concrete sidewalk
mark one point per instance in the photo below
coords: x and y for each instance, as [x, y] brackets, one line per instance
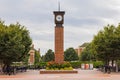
[81, 75]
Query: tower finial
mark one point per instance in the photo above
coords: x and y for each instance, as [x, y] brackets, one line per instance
[59, 6]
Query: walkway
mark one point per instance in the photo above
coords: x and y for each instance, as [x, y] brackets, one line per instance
[82, 75]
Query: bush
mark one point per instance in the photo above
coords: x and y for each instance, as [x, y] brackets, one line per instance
[52, 65]
[42, 65]
[58, 66]
[96, 64]
[76, 64]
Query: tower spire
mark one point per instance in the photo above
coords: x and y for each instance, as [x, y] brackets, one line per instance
[59, 6]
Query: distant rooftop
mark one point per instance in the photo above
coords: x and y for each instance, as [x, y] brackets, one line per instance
[84, 44]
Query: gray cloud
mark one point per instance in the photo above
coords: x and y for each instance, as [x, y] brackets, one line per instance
[83, 19]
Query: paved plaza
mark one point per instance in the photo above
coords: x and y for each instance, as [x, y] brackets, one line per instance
[81, 75]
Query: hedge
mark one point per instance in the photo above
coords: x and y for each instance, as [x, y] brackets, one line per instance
[77, 64]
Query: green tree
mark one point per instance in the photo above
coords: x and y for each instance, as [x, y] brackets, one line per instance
[43, 58]
[49, 56]
[37, 57]
[14, 42]
[85, 56]
[107, 43]
[70, 55]
[88, 54]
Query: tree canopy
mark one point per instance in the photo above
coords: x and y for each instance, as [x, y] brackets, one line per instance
[88, 53]
[70, 55]
[107, 43]
[15, 42]
[37, 57]
[49, 56]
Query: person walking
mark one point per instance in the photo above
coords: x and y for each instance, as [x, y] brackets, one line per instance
[0, 69]
[109, 69]
[8, 69]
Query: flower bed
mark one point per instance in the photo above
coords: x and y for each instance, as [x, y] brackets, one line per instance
[52, 65]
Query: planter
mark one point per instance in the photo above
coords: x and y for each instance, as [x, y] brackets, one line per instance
[58, 71]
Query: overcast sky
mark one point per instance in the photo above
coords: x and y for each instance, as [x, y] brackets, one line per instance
[83, 19]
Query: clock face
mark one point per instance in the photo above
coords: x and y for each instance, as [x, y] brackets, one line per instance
[59, 18]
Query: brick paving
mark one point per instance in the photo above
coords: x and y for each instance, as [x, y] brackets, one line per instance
[81, 75]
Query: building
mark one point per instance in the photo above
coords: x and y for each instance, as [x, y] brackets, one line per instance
[32, 55]
[31, 59]
[81, 48]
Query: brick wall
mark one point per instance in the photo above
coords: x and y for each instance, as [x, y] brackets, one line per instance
[59, 44]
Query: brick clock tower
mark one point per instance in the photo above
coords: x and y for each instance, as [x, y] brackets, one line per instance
[59, 36]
